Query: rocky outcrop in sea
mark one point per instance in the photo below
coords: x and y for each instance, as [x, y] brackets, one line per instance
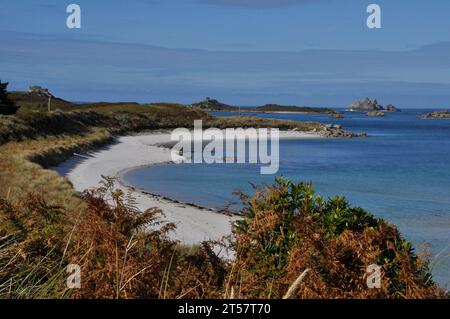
[375, 114]
[367, 105]
[336, 115]
[336, 131]
[444, 114]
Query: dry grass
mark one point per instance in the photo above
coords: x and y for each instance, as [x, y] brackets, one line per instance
[127, 254]
[122, 252]
[19, 175]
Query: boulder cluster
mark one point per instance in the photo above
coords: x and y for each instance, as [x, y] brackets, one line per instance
[334, 130]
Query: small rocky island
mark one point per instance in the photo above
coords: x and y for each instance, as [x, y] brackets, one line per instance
[336, 115]
[444, 114]
[367, 105]
[375, 114]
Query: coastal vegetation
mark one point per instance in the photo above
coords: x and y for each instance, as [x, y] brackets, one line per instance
[7, 106]
[286, 231]
[125, 253]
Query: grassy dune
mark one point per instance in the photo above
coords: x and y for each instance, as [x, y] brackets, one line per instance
[21, 173]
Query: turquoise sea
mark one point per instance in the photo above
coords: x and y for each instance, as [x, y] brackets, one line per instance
[401, 173]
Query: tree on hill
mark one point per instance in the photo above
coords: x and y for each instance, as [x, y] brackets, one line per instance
[7, 107]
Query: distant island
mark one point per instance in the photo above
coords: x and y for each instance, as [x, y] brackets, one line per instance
[367, 105]
[211, 105]
[275, 108]
[444, 114]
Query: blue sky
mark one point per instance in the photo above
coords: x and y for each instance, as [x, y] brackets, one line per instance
[248, 52]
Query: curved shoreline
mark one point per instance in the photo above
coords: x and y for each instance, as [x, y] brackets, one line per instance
[121, 179]
[194, 223]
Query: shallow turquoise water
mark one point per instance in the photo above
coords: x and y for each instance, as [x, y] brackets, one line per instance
[400, 173]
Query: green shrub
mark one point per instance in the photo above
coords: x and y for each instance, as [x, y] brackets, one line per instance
[7, 107]
[287, 229]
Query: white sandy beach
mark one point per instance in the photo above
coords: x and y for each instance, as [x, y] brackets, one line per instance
[194, 224]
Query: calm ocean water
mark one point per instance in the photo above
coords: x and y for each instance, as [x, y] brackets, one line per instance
[401, 173]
